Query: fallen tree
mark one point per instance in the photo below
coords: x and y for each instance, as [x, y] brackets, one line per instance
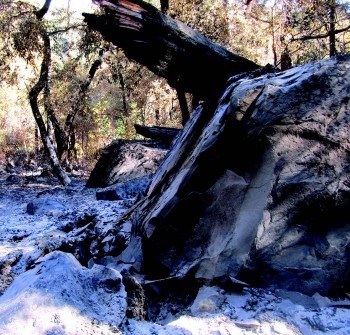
[166, 135]
[189, 61]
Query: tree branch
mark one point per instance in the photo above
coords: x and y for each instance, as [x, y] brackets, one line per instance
[41, 12]
[64, 30]
[314, 37]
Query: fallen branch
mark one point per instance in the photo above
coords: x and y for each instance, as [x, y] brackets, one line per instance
[163, 134]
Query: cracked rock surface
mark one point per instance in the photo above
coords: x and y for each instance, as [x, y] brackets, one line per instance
[258, 187]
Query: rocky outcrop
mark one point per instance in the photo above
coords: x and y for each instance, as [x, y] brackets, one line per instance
[257, 187]
[124, 160]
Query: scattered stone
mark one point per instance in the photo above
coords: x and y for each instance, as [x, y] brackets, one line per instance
[51, 241]
[6, 269]
[321, 301]
[247, 324]
[299, 298]
[136, 299]
[14, 179]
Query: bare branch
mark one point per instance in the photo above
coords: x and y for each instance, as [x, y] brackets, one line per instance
[41, 12]
[315, 37]
[64, 30]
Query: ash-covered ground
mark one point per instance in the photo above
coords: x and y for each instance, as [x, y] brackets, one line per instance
[49, 284]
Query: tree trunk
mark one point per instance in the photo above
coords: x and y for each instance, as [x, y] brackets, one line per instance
[42, 84]
[332, 20]
[163, 134]
[169, 48]
[164, 5]
[36, 136]
[120, 78]
[48, 144]
[185, 113]
[64, 136]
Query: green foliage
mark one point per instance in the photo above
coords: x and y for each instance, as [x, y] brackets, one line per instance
[26, 40]
[208, 17]
[89, 43]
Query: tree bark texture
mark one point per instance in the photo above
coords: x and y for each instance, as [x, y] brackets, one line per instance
[169, 48]
[332, 20]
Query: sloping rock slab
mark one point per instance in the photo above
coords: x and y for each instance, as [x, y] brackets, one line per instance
[261, 191]
[124, 160]
[59, 296]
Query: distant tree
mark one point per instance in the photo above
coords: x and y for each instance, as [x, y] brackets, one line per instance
[208, 17]
[299, 29]
[322, 19]
[43, 84]
[27, 34]
[80, 106]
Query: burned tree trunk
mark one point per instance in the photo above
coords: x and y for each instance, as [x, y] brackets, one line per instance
[44, 131]
[169, 48]
[162, 134]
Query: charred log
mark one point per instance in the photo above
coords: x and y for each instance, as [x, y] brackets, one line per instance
[165, 135]
[169, 48]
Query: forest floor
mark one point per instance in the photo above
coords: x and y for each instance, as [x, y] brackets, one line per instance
[38, 216]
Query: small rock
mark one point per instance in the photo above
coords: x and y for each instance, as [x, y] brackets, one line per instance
[280, 328]
[247, 323]
[45, 207]
[208, 300]
[321, 301]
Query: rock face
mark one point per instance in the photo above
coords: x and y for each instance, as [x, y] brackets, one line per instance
[125, 160]
[257, 187]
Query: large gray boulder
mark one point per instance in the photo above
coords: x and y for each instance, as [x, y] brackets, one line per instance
[124, 160]
[257, 188]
